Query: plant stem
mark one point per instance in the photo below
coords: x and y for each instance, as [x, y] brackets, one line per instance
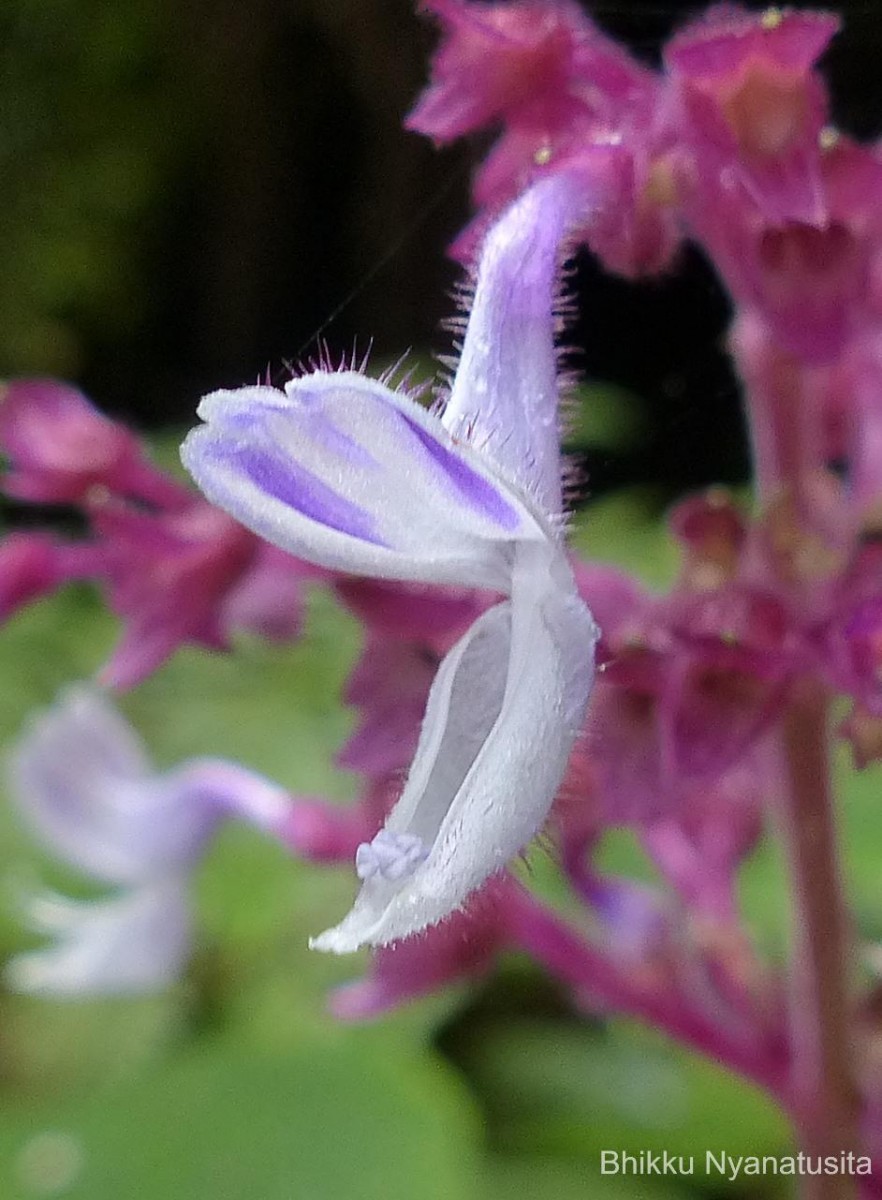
[824, 1096]
[590, 970]
[787, 428]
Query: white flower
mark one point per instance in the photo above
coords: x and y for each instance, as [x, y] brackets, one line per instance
[342, 471]
[83, 784]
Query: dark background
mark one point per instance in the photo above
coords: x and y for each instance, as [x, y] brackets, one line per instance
[193, 189]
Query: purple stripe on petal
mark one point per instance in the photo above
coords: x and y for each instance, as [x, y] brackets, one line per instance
[293, 485]
[480, 494]
[321, 428]
[311, 419]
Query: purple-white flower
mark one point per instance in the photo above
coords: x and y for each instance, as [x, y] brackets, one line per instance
[343, 471]
[83, 784]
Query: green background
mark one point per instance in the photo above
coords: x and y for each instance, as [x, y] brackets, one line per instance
[235, 1084]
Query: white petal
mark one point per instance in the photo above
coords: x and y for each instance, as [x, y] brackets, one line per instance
[504, 399]
[81, 781]
[344, 472]
[503, 713]
[77, 774]
[132, 943]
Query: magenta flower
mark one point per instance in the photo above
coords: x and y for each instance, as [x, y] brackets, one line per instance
[751, 106]
[847, 637]
[855, 646]
[268, 599]
[175, 569]
[810, 282]
[431, 617]
[390, 685]
[566, 96]
[189, 576]
[526, 47]
[500, 62]
[690, 682]
[701, 848]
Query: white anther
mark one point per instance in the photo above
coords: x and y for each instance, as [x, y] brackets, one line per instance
[392, 856]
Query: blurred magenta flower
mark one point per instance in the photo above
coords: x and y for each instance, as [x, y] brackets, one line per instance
[750, 107]
[30, 567]
[566, 96]
[62, 449]
[175, 569]
[190, 575]
[809, 281]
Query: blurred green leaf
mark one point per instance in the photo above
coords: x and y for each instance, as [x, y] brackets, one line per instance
[319, 1123]
[624, 529]
[275, 707]
[513, 1177]
[50, 1047]
[48, 644]
[604, 416]
[571, 1090]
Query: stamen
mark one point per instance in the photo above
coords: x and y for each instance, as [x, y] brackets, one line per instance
[392, 856]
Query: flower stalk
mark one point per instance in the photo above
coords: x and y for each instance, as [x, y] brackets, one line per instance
[785, 422]
[821, 1003]
[650, 997]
